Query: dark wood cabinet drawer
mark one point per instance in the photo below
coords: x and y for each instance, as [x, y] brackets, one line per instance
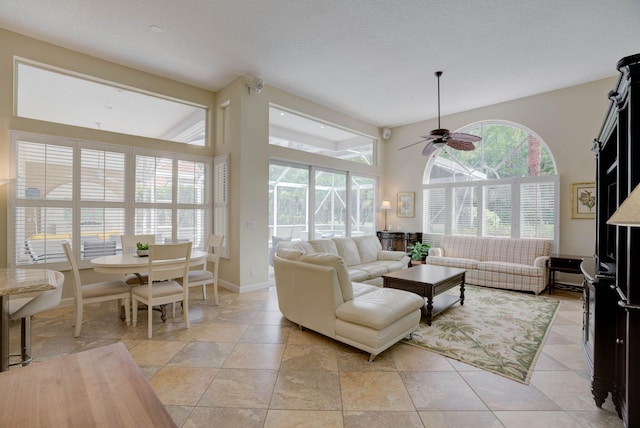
[570, 264]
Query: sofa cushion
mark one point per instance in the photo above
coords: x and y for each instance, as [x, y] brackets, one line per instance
[512, 268]
[360, 288]
[336, 262]
[391, 255]
[392, 265]
[368, 248]
[347, 250]
[275, 242]
[519, 251]
[464, 247]
[289, 253]
[455, 262]
[303, 246]
[324, 246]
[374, 269]
[357, 274]
[379, 308]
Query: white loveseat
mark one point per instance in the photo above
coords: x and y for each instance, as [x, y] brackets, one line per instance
[363, 255]
[514, 264]
[315, 292]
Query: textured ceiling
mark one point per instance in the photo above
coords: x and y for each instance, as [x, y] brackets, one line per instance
[371, 59]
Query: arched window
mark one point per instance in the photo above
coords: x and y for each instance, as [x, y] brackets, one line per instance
[506, 187]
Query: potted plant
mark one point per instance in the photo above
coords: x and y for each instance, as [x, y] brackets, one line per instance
[419, 253]
[142, 250]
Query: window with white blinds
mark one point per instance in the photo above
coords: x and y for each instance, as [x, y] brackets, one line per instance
[221, 201]
[434, 210]
[538, 210]
[89, 195]
[496, 206]
[518, 208]
[43, 203]
[102, 201]
[464, 211]
[507, 187]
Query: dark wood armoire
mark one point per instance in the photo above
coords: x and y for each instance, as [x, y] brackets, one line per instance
[611, 328]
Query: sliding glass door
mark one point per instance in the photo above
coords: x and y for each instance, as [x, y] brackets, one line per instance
[308, 202]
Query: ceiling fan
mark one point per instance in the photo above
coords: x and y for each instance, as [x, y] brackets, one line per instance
[442, 137]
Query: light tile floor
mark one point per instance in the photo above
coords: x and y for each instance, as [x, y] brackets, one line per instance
[241, 364]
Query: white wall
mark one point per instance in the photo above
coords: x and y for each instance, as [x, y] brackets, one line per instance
[247, 268]
[567, 120]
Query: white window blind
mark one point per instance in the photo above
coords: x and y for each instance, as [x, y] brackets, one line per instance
[193, 199]
[510, 208]
[464, 212]
[89, 195]
[537, 210]
[102, 201]
[496, 218]
[43, 200]
[434, 211]
[221, 200]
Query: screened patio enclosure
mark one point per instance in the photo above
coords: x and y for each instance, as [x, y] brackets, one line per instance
[307, 202]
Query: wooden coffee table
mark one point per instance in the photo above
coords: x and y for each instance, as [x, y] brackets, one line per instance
[429, 282]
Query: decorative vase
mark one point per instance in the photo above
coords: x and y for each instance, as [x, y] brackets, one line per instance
[143, 253]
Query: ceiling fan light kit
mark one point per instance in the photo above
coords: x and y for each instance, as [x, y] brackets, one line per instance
[441, 137]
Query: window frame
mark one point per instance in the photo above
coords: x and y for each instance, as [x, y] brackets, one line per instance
[76, 204]
[479, 190]
[171, 110]
[446, 203]
[311, 193]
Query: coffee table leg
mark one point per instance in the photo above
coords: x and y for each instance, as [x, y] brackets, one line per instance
[462, 292]
[429, 310]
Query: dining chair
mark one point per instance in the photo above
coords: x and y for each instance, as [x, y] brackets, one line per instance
[95, 292]
[93, 249]
[166, 264]
[204, 276]
[129, 246]
[23, 308]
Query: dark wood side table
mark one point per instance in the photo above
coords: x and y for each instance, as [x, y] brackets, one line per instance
[398, 241]
[567, 264]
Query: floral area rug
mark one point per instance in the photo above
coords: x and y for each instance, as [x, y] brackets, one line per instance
[495, 330]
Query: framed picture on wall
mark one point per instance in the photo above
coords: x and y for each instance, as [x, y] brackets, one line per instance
[406, 204]
[583, 200]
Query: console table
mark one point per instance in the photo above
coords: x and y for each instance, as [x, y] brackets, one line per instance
[398, 241]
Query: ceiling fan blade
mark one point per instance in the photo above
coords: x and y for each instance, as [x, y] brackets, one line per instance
[460, 144]
[460, 136]
[411, 145]
[429, 149]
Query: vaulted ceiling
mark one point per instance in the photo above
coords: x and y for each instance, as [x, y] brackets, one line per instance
[371, 59]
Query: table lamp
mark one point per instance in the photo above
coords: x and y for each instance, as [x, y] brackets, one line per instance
[628, 214]
[386, 206]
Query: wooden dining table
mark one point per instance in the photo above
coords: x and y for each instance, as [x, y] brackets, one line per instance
[101, 387]
[14, 282]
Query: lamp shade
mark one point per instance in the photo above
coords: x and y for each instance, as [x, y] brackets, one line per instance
[386, 205]
[628, 214]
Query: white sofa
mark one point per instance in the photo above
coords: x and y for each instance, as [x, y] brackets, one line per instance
[363, 255]
[513, 264]
[315, 292]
